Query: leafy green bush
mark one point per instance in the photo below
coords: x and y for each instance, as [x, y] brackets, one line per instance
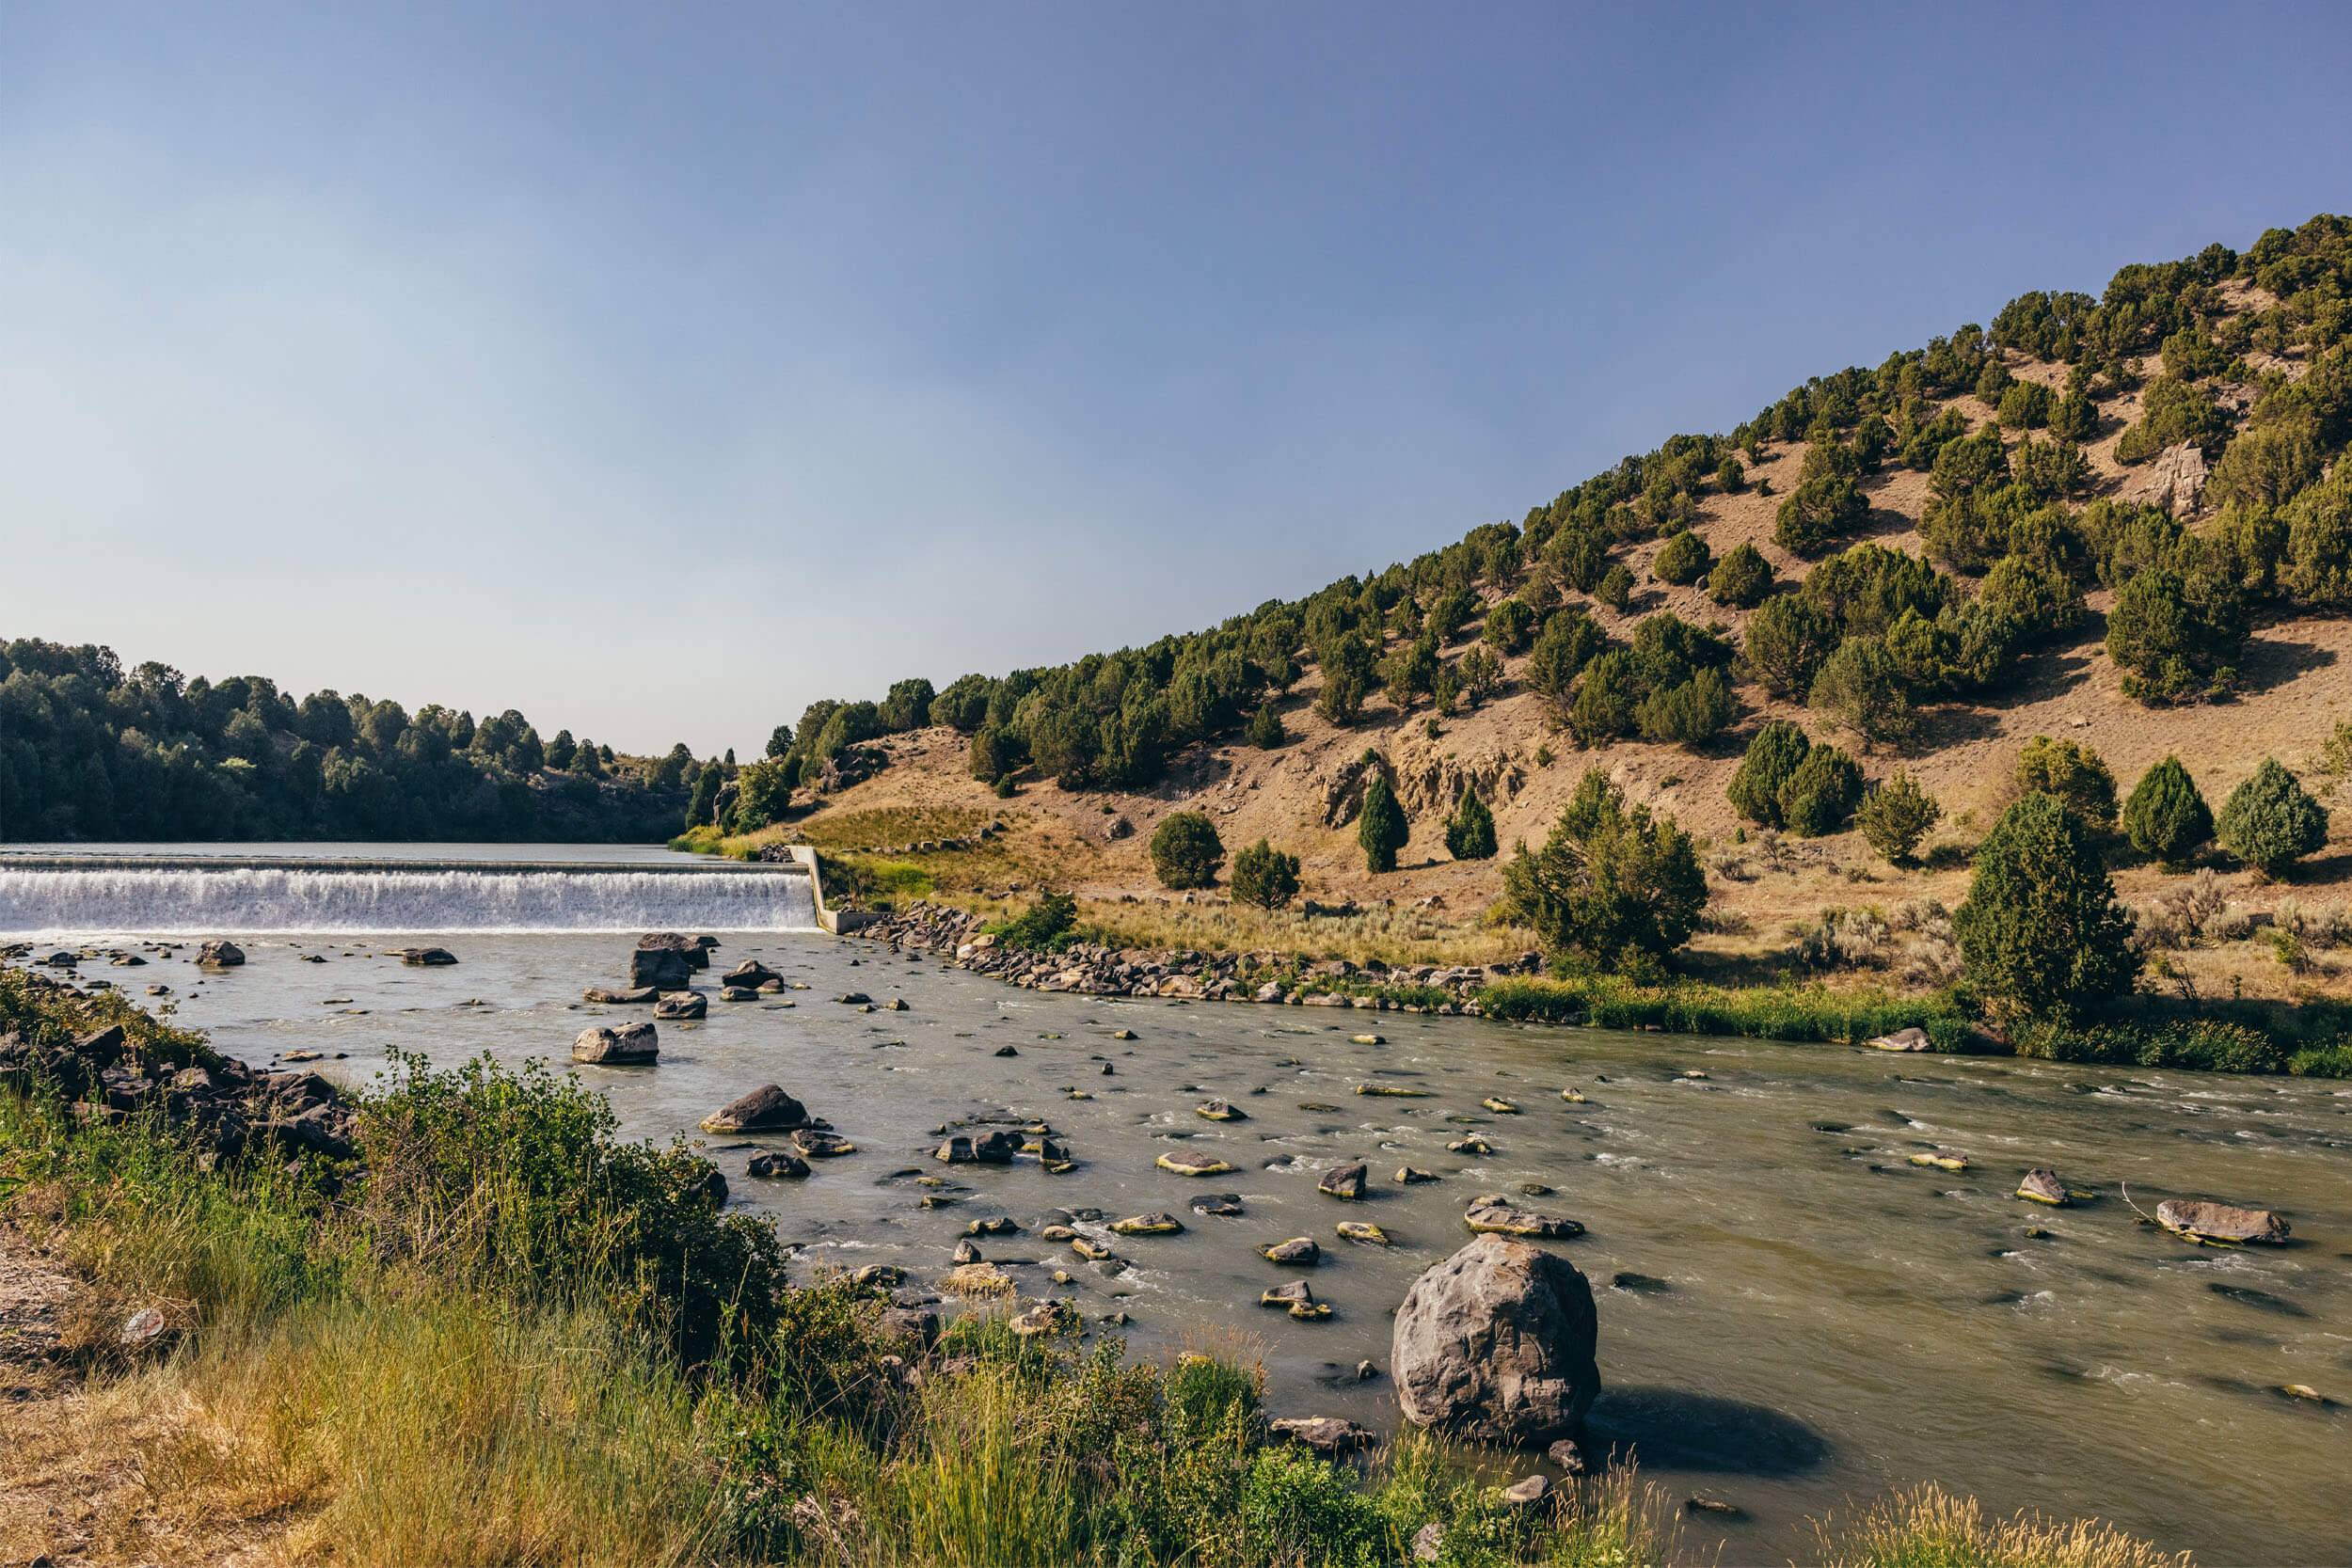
[2074, 774]
[1264, 877]
[1896, 815]
[1606, 698]
[1741, 578]
[1788, 640]
[1044, 927]
[1611, 884]
[1862, 689]
[1819, 513]
[1470, 833]
[2166, 817]
[1773, 756]
[2041, 934]
[2271, 822]
[1683, 559]
[1185, 850]
[1615, 588]
[1823, 792]
[2177, 635]
[1510, 626]
[1690, 713]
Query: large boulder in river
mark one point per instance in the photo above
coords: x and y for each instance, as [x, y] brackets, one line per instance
[2204, 1221]
[1496, 1344]
[766, 1109]
[662, 968]
[626, 1045]
[427, 958]
[752, 974]
[694, 950]
[681, 1005]
[219, 953]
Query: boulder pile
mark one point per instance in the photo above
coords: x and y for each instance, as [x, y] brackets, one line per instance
[1096, 970]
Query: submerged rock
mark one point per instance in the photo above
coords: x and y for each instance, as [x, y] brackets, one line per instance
[630, 1043]
[1217, 1204]
[427, 958]
[1492, 1215]
[1220, 1110]
[1496, 1344]
[2202, 1220]
[777, 1164]
[1188, 1164]
[1147, 1224]
[817, 1144]
[634, 996]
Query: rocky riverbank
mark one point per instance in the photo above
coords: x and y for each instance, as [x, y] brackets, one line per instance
[1272, 978]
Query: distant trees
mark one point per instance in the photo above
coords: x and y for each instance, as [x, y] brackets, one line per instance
[1470, 833]
[2271, 822]
[2041, 935]
[1185, 850]
[1612, 886]
[1381, 829]
[2166, 817]
[1264, 877]
[763, 794]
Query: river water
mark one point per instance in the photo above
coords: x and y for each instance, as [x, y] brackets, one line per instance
[1792, 1316]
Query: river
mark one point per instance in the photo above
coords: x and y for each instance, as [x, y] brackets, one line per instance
[1793, 1317]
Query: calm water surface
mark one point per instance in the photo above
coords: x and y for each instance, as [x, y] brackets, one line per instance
[1792, 1316]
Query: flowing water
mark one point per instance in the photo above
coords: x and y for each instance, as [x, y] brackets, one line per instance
[1793, 1317]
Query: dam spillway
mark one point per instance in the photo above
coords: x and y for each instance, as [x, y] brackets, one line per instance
[100, 895]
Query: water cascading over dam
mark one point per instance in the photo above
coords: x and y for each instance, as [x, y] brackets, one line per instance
[199, 895]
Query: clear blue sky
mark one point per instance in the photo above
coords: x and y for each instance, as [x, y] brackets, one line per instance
[656, 368]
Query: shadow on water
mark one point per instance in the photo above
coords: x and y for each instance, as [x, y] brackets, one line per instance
[1672, 1429]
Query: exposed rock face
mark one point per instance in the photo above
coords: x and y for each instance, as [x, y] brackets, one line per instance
[1496, 1345]
[662, 968]
[2174, 480]
[1429, 776]
[2220, 1222]
[220, 953]
[766, 1109]
[630, 1043]
[1343, 790]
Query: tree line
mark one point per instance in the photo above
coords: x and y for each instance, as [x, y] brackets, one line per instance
[90, 751]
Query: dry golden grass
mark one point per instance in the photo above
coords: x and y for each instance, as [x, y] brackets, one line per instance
[1930, 1528]
[1389, 935]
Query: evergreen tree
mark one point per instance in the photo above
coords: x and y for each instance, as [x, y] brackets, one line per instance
[1683, 559]
[1822, 793]
[1265, 728]
[702, 809]
[2074, 774]
[2271, 822]
[1896, 815]
[1741, 578]
[1615, 588]
[1773, 756]
[1612, 886]
[1185, 850]
[1470, 833]
[2166, 817]
[1861, 689]
[1264, 877]
[1788, 640]
[1382, 828]
[2041, 935]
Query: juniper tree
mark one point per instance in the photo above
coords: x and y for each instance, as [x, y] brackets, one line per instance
[1382, 828]
[1470, 833]
[2271, 822]
[2166, 817]
[2041, 935]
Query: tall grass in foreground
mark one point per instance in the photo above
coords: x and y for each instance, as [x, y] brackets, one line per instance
[1927, 1527]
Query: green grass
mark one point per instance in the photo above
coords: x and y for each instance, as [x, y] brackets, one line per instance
[1763, 1012]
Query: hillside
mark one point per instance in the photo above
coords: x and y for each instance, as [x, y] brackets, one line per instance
[2193, 423]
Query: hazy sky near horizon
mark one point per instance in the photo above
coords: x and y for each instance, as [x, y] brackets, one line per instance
[656, 369]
